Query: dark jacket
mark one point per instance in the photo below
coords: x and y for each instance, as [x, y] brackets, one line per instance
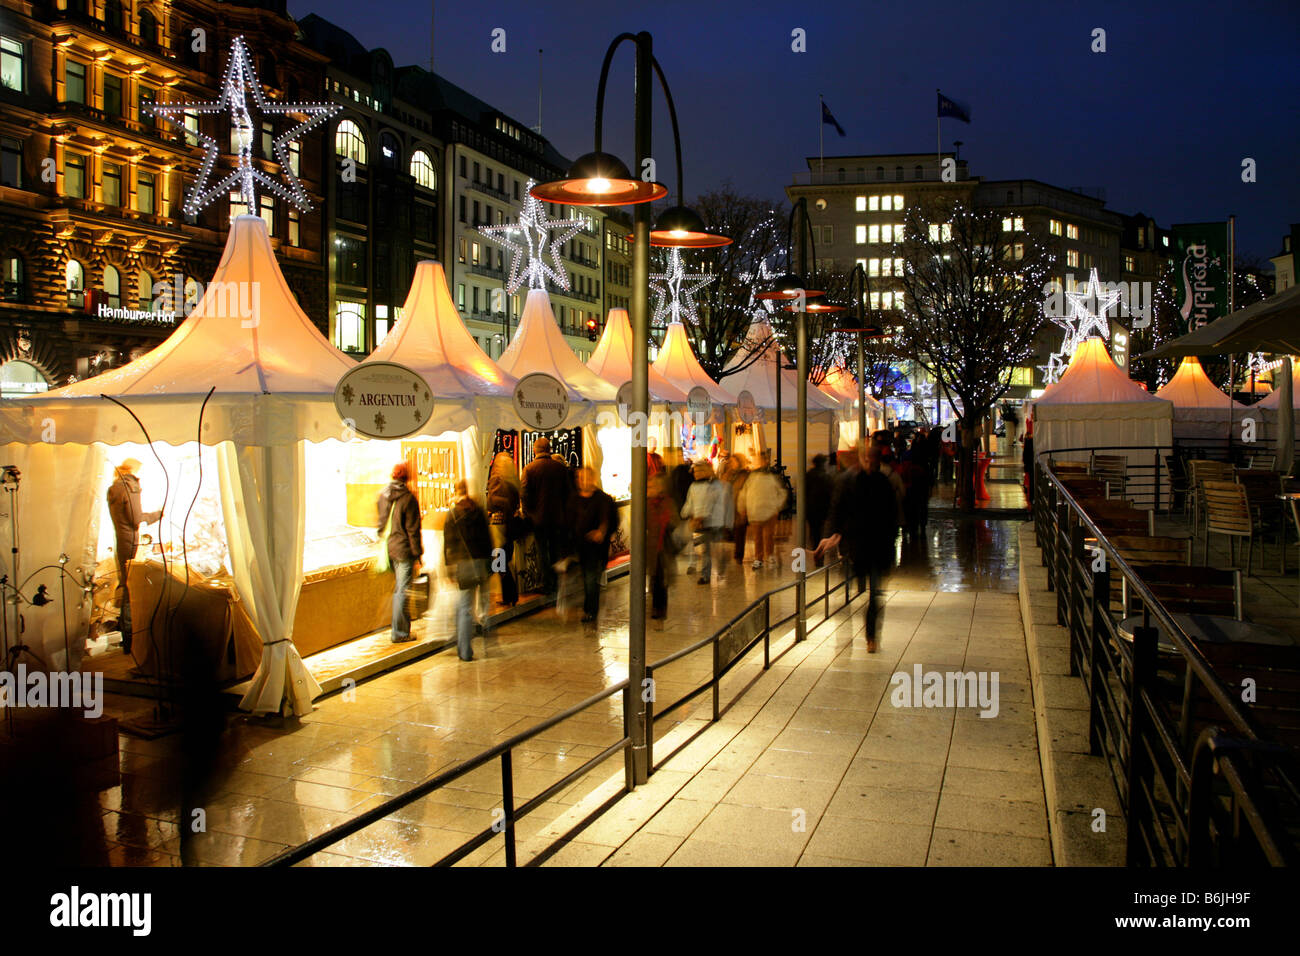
[404, 540]
[818, 486]
[546, 491]
[465, 535]
[588, 514]
[502, 496]
[124, 509]
[864, 512]
[682, 477]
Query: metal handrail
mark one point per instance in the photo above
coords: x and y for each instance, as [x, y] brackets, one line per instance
[511, 814]
[764, 636]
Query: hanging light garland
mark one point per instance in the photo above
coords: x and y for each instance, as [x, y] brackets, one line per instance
[529, 241]
[676, 291]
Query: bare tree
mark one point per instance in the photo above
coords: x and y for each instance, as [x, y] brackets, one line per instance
[973, 304]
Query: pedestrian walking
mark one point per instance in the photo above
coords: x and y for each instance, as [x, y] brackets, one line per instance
[503, 521]
[545, 496]
[661, 548]
[466, 549]
[739, 473]
[709, 509]
[593, 518]
[764, 497]
[863, 522]
[127, 516]
[399, 520]
[818, 485]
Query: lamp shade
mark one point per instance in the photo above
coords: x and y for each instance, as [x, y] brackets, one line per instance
[787, 287]
[599, 179]
[682, 227]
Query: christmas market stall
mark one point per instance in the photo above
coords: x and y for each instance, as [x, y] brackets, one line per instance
[1202, 411]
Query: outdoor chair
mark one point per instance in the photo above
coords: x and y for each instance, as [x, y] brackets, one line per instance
[1083, 487]
[1274, 671]
[1266, 462]
[1141, 551]
[1181, 589]
[1227, 512]
[1201, 470]
[1118, 517]
[1266, 511]
[1178, 483]
[1113, 470]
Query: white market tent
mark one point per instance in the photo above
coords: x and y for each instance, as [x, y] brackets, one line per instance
[1096, 406]
[842, 386]
[538, 346]
[759, 379]
[274, 375]
[677, 363]
[612, 360]
[1201, 409]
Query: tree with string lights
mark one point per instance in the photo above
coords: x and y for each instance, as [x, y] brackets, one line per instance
[973, 302]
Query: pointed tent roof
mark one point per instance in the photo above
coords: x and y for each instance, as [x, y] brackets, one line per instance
[678, 364]
[1093, 378]
[273, 371]
[1191, 388]
[431, 339]
[759, 378]
[841, 384]
[612, 359]
[539, 346]
[1274, 398]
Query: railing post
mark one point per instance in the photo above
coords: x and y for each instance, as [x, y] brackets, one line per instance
[1139, 763]
[508, 806]
[649, 731]
[717, 681]
[1100, 612]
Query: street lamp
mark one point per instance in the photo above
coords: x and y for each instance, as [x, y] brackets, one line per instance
[600, 179]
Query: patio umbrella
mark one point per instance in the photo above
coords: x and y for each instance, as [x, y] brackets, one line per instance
[1271, 325]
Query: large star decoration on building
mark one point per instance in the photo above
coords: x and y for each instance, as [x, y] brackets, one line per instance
[239, 81]
[1089, 319]
[676, 290]
[530, 241]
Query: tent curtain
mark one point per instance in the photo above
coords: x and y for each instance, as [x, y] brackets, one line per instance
[264, 508]
[1286, 419]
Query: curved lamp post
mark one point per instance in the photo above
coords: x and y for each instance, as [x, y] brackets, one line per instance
[601, 179]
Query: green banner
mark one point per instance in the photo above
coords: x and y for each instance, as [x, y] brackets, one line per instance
[1201, 260]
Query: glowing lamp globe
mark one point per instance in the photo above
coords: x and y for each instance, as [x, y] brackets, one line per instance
[599, 179]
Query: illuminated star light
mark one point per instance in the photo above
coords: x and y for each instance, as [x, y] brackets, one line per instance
[528, 258]
[1089, 320]
[1054, 367]
[239, 80]
[676, 290]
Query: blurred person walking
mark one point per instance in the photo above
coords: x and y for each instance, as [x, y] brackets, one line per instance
[709, 509]
[503, 520]
[764, 497]
[864, 520]
[592, 518]
[545, 497]
[466, 550]
[737, 475]
[818, 486]
[399, 519]
[661, 547]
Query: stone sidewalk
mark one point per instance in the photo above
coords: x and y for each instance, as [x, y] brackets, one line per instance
[816, 766]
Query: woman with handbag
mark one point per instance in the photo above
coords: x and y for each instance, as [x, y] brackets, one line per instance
[401, 545]
[502, 506]
[466, 548]
[662, 546]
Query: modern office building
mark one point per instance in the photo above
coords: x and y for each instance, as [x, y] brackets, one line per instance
[99, 260]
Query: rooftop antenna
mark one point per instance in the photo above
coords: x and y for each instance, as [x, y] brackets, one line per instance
[957, 145]
[538, 128]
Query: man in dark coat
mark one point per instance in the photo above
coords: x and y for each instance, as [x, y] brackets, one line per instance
[817, 486]
[593, 519]
[466, 550]
[545, 496]
[864, 520]
[124, 509]
[405, 544]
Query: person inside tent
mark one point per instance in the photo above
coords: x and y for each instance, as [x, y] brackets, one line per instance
[124, 509]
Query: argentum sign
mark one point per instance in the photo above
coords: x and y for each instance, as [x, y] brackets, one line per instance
[383, 400]
[541, 401]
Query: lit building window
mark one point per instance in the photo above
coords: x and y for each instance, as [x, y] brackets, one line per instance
[941, 233]
[112, 184]
[349, 326]
[1054, 227]
[237, 207]
[349, 143]
[860, 234]
[112, 287]
[873, 267]
[146, 292]
[873, 233]
[1072, 257]
[267, 212]
[860, 204]
[74, 275]
[874, 204]
[74, 82]
[295, 227]
[74, 175]
[13, 57]
[422, 170]
[144, 192]
[1130, 264]
[1071, 231]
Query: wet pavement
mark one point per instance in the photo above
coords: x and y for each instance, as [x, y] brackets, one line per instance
[273, 785]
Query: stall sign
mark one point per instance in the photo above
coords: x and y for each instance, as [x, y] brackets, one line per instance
[541, 401]
[746, 408]
[698, 404]
[383, 400]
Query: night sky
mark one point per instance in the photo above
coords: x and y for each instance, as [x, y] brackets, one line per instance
[1161, 121]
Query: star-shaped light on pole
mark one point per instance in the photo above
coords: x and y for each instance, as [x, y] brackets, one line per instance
[1089, 320]
[676, 290]
[528, 257]
[1054, 367]
[239, 81]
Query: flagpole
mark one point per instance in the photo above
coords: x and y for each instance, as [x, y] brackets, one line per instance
[821, 136]
[938, 136]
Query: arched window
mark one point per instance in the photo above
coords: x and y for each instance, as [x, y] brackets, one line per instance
[21, 378]
[841, 174]
[916, 174]
[898, 173]
[148, 28]
[880, 172]
[14, 278]
[349, 143]
[113, 15]
[112, 287]
[390, 151]
[423, 171]
[146, 291]
[75, 280]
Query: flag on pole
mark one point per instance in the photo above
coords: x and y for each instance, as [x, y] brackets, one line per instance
[954, 109]
[828, 118]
